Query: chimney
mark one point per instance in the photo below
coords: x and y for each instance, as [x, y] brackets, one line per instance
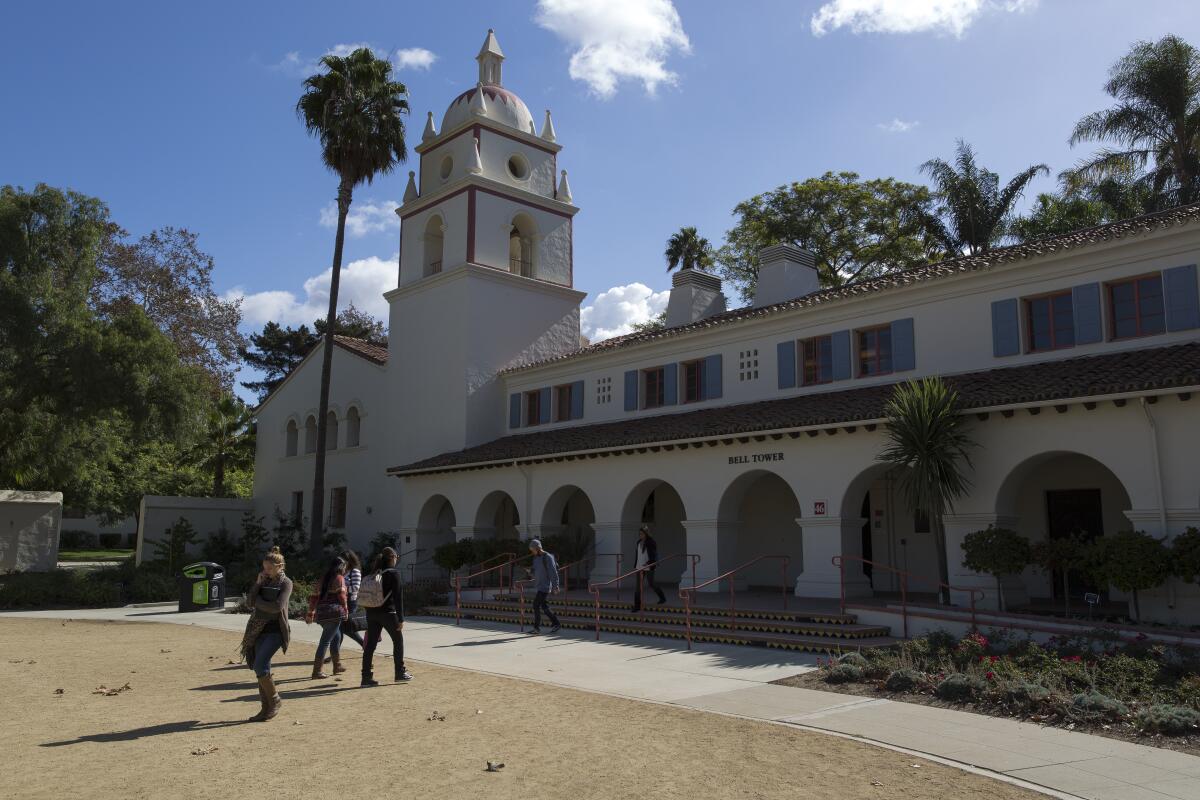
[694, 296]
[785, 273]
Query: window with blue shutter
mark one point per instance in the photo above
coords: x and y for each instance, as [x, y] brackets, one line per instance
[1183, 301]
[631, 390]
[670, 384]
[904, 348]
[514, 410]
[544, 405]
[577, 400]
[785, 357]
[1006, 328]
[1085, 304]
[840, 341]
[712, 377]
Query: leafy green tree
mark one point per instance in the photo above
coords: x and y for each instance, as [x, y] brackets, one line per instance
[355, 324]
[1154, 124]
[354, 108]
[1062, 555]
[655, 323]
[254, 538]
[856, 228]
[172, 549]
[1185, 555]
[974, 211]
[687, 249]
[1132, 561]
[998, 552]
[927, 439]
[1054, 214]
[228, 441]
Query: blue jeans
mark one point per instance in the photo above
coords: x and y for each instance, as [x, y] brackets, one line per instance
[265, 648]
[331, 639]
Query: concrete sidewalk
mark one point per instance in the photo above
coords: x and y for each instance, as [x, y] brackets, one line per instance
[736, 681]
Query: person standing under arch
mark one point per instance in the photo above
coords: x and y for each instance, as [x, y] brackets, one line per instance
[647, 561]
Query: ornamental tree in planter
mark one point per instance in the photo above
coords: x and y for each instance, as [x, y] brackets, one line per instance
[998, 552]
[1130, 561]
[1061, 555]
[1185, 553]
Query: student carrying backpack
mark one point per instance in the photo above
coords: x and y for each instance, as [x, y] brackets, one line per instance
[381, 595]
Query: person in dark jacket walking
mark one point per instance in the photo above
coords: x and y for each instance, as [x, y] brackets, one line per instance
[647, 559]
[386, 617]
[545, 581]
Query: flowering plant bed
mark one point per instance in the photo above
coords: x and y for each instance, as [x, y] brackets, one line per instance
[1138, 691]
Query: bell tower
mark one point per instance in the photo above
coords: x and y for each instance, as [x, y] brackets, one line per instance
[486, 245]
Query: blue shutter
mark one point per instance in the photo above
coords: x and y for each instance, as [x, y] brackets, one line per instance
[712, 377]
[840, 346]
[631, 390]
[577, 400]
[670, 384]
[514, 410]
[1006, 328]
[785, 355]
[1085, 308]
[1182, 301]
[544, 405]
[904, 348]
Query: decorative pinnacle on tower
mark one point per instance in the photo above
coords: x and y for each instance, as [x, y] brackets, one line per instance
[490, 60]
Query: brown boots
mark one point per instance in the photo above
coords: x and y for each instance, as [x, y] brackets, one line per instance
[338, 669]
[270, 699]
[317, 674]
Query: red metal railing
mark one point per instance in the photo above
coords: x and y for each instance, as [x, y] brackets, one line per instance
[458, 581]
[594, 588]
[840, 563]
[496, 559]
[566, 575]
[685, 594]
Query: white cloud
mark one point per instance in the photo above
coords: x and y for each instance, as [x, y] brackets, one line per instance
[363, 283]
[614, 312]
[908, 16]
[415, 58]
[617, 40]
[897, 125]
[364, 217]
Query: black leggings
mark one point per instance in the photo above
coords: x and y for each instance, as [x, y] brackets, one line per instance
[348, 626]
[377, 623]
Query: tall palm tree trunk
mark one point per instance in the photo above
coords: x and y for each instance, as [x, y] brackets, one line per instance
[219, 476]
[939, 539]
[317, 530]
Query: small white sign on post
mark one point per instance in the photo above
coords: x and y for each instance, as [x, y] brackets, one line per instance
[818, 508]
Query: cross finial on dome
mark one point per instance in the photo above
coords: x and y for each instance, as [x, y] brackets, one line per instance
[490, 59]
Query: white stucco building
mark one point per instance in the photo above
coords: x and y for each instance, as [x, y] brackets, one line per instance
[738, 433]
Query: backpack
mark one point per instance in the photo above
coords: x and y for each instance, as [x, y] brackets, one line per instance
[370, 593]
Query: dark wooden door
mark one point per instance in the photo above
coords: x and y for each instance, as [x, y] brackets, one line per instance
[1075, 512]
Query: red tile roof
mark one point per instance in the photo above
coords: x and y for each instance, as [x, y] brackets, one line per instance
[377, 353]
[1176, 366]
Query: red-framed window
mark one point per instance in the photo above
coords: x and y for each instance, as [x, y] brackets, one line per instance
[533, 407]
[875, 351]
[1136, 307]
[816, 360]
[654, 386]
[562, 403]
[1051, 322]
[693, 381]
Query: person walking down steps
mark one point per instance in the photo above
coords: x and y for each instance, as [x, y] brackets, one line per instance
[267, 630]
[383, 598]
[545, 582]
[647, 561]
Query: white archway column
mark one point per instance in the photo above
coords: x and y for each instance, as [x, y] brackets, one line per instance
[613, 537]
[824, 538]
[716, 544]
[957, 528]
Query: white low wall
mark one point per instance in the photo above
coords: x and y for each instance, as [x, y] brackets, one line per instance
[29, 525]
[206, 514]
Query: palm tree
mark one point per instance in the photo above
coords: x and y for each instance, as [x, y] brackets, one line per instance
[1155, 123]
[354, 108]
[689, 249]
[228, 441]
[928, 444]
[975, 211]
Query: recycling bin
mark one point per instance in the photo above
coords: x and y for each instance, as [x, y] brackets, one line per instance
[202, 586]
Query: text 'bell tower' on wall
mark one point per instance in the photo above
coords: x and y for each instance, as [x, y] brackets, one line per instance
[485, 264]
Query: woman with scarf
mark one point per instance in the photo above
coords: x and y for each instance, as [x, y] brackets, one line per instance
[328, 607]
[267, 631]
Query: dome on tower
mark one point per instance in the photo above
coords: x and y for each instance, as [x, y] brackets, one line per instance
[500, 105]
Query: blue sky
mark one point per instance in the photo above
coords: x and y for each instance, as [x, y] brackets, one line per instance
[669, 114]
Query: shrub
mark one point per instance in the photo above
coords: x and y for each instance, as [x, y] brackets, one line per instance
[1062, 555]
[1185, 553]
[903, 680]
[941, 641]
[960, 687]
[855, 658]
[844, 673]
[172, 548]
[1130, 561]
[109, 541]
[76, 540]
[1023, 694]
[455, 555]
[221, 548]
[254, 538]
[1095, 707]
[289, 535]
[1169, 720]
[381, 540]
[152, 586]
[997, 552]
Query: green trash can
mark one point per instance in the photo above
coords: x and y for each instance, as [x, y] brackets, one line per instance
[202, 586]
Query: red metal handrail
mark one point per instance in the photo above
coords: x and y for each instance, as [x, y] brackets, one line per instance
[839, 561]
[685, 594]
[460, 578]
[499, 557]
[594, 588]
[566, 576]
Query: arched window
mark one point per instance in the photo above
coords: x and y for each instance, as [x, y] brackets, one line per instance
[353, 425]
[293, 435]
[520, 246]
[310, 434]
[331, 431]
[434, 237]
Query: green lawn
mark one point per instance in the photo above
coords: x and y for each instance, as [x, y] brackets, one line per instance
[94, 555]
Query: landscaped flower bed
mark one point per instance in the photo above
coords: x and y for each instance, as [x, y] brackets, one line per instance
[1133, 690]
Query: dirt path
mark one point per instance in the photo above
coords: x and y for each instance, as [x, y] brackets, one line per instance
[178, 731]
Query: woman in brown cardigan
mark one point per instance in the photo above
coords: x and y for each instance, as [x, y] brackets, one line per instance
[268, 631]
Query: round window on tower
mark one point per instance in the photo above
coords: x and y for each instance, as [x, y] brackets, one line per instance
[447, 167]
[518, 167]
